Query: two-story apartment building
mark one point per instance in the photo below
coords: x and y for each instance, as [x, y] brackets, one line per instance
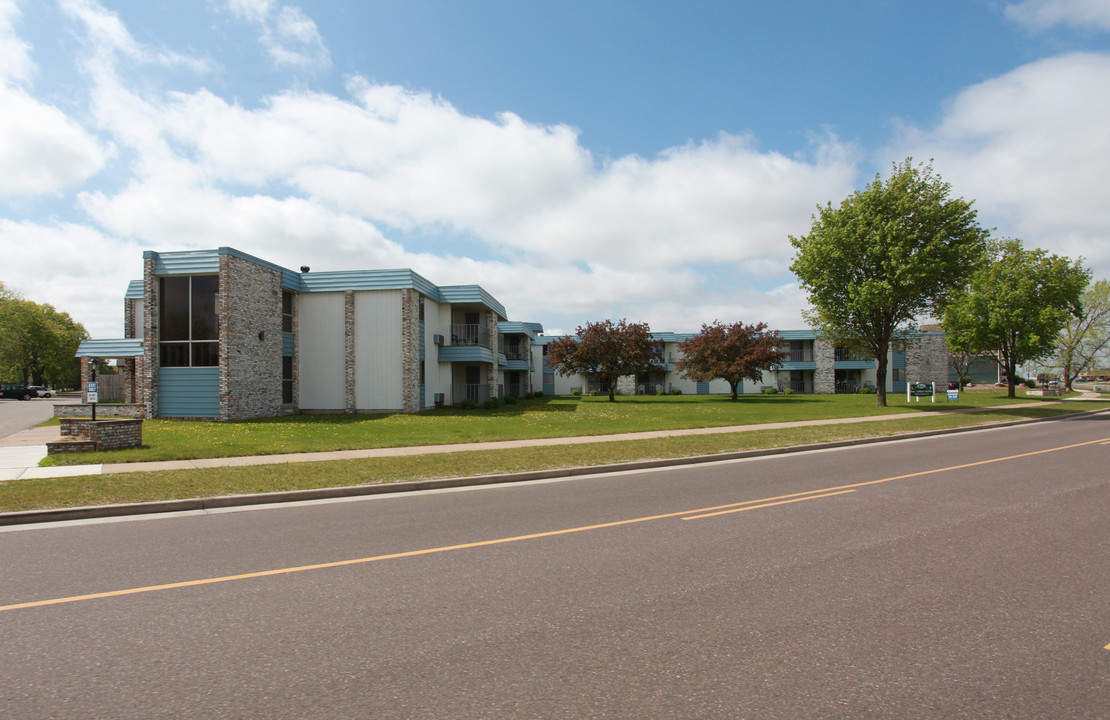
[222, 334]
[813, 366]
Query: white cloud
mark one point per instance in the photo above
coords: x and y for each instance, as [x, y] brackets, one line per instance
[1043, 14]
[42, 150]
[15, 60]
[1031, 148]
[75, 268]
[289, 37]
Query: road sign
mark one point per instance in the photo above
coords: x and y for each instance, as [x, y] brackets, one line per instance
[93, 392]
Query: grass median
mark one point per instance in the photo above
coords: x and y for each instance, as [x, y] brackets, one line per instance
[19, 495]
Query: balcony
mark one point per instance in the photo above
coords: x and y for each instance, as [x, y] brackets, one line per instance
[478, 393]
[798, 386]
[848, 355]
[516, 352]
[470, 335]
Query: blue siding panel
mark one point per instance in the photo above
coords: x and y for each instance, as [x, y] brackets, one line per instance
[123, 347]
[194, 262]
[288, 344]
[703, 388]
[189, 392]
[466, 353]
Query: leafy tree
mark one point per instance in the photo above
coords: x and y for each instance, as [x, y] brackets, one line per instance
[606, 349]
[37, 343]
[730, 352]
[961, 361]
[888, 254]
[1016, 305]
[1086, 337]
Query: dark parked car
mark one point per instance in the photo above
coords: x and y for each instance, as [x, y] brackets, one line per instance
[17, 392]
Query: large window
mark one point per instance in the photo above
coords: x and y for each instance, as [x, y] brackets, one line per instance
[190, 330]
[286, 311]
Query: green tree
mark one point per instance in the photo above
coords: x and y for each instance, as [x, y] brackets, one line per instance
[606, 349]
[730, 352]
[1015, 306]
[1086, 337]
[37, 343]
[888, 254]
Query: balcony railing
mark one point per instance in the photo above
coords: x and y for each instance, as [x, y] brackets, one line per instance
[516, 352]
[465, 334]
[478, 393]
[845, 354]
[517, 388]
[800, 355]
[798, 386]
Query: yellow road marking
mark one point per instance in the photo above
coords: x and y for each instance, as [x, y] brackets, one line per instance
[689, 515]
[764, 505]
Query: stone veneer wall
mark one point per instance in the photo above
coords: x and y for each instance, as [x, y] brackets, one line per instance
[927, 360]
[146, 384]
[348, 351]
[824, 376]
[491, 369]
[410, 350]
[249, 308]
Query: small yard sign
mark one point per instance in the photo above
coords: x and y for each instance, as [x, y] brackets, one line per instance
[94, 392]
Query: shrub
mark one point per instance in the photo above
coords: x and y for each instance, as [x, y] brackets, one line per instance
[468, 404]
[659, 391]
[1030, 383]
[770, 391]
[866, 390]
[491, 403]
[788, 391]
[593, 393]
[510, 399]
[538, 393]
[576, 392]
[676, 391]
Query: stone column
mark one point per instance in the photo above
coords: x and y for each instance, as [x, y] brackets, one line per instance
[349, 350]
[824, 376]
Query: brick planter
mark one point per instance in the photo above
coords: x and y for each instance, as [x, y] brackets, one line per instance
[85, 435]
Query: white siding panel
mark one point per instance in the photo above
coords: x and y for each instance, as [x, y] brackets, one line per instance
[140, 318]
[378, 373]
[321, 372]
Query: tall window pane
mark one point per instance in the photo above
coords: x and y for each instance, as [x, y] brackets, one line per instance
[205, 326]
[175, 308]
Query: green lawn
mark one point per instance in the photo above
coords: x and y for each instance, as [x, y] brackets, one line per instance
[535, 418]
[16, 495]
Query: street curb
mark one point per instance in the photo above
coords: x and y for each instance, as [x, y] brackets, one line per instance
[225, 501]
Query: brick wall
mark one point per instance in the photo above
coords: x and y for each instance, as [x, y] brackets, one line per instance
[249, 308]
[111, 434]
[927, 360]
[824, 376]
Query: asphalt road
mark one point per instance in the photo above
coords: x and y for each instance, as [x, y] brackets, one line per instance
[16, 415]
[963, 576]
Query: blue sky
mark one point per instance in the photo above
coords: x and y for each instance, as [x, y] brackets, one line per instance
[580, 160]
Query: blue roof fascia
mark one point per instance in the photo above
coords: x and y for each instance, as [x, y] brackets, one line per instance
[472, 294]
[186, 262]
[797, 335]
[514, 365]
[800, 365]
[466, 353]
[115, 348]
[134, 290]
[516, 328]
[340, 280]
[854, 365]
[535, 327]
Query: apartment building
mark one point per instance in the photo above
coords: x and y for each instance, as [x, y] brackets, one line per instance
[225, 335]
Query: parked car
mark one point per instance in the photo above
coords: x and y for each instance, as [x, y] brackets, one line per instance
[43, 392]
[17, 392]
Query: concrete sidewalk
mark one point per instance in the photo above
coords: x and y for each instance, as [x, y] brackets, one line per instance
[21, 452]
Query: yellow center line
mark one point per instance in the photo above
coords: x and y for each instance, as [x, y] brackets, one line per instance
[765, 505]
[685, 514]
